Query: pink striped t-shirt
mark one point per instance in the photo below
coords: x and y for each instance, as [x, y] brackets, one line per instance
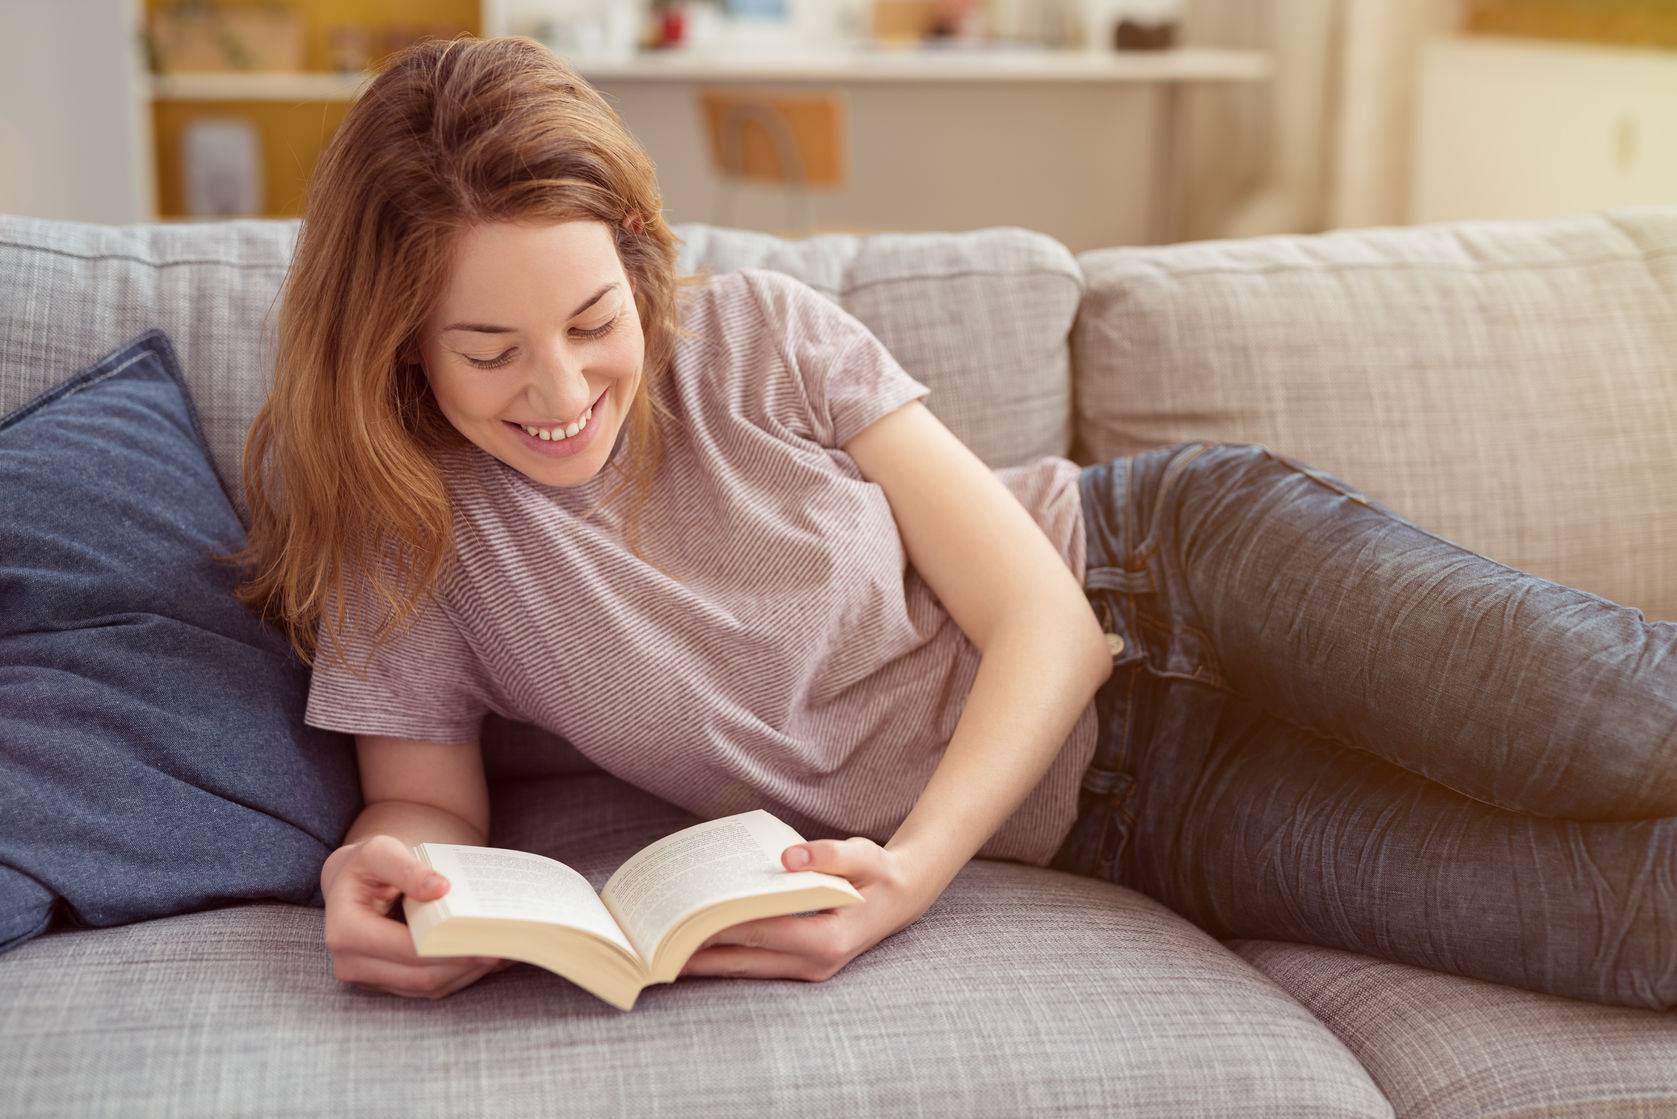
[795, 662]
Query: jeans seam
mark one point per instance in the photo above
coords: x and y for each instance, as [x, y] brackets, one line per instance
[1320, 477]
[1117, 822]
[1392, 514]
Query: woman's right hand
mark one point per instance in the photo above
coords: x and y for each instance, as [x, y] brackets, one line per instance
[372, 950]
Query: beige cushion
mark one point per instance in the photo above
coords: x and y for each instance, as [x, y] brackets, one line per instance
[1511, 386]
[1446, 1047]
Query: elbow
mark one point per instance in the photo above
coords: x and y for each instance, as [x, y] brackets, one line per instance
[1103, 647]
[1106, 659]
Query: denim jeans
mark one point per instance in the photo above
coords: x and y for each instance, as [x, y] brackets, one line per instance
[1327, 725]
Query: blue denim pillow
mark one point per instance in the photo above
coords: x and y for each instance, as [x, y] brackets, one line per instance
[153, 755]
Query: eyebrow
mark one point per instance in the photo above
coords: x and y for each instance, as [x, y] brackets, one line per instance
[490, 328]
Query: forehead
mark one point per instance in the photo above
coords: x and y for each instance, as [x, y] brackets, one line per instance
[521, 267]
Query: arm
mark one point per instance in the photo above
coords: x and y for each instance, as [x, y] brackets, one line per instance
[1031, 687]
[419, 792]
[1035, 676]
[1043, 655]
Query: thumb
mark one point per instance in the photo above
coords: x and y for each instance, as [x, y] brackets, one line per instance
[425, 884]
[392, 861]
[857, 858]
[806, 856]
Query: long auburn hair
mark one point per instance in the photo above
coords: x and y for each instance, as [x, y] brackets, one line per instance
[339, 464]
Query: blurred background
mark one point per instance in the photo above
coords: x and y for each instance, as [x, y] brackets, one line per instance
[1099, 122]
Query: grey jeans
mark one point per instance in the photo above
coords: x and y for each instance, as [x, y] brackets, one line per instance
[1326, 725]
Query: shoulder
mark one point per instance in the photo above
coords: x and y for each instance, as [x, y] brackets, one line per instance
[781, 295]
[762, 294]
[743, 314]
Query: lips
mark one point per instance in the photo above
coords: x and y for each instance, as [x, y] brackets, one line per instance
[550, 426]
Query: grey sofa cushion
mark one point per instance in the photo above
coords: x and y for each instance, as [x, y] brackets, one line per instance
[982, 317]
[1444, 1047]
[1023, 991]
[70, 291]
[1511, 386]
[989, 336]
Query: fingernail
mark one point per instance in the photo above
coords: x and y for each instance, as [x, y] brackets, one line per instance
[433, 882]
[799, 856]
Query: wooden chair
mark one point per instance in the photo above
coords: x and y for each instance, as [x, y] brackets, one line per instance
[795, 141]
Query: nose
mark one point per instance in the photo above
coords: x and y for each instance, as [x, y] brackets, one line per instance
[560, 391]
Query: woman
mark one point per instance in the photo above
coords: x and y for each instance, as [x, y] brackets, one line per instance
[1206, 672]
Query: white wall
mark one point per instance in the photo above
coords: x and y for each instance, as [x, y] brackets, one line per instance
[74, 130]
[1070, 160]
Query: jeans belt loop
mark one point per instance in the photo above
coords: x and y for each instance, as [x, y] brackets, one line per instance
[1101, 781]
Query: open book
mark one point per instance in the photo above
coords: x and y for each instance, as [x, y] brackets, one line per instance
[654, 912]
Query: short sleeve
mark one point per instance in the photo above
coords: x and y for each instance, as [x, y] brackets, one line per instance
[422, 681]
[848, 376]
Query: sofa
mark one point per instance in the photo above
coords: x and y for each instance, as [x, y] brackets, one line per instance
[1509, 385]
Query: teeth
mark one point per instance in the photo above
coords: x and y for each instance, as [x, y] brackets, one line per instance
[550, 434]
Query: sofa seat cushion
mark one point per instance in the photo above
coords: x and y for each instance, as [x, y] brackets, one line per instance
[1510, 386]
[1447, 1047]
[1023, 991]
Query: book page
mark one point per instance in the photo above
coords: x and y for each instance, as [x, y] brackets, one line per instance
[735, 856]
[519, 886]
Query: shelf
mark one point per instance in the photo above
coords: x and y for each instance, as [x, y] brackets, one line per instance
[257, 87]
[933, 65]
[864, 65]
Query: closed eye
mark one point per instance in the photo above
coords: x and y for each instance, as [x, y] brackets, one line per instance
[597, 332]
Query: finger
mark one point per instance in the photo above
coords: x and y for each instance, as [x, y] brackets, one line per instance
[856, 858]
[385, 938]
[800, 936]
[387, 861]
[415, 981]
[466, 979]
[747, 963]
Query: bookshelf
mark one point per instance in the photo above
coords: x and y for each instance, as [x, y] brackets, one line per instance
[1114, 118]
[293, 112]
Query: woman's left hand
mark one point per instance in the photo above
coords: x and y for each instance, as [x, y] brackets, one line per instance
[815, 947]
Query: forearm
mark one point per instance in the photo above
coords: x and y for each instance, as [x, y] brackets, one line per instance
[408, 821]
[1034, 680]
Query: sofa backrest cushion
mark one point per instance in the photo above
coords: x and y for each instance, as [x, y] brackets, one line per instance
[71, 291]
[1510, 386]
[982, 317]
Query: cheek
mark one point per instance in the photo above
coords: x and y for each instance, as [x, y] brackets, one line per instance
[461, 396]
[632, 348]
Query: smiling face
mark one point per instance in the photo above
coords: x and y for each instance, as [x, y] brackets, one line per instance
[537, 329]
